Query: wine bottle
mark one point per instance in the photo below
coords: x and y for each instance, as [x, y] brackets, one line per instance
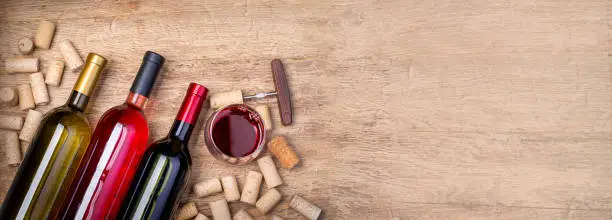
[43, 178]
[116, 147]
[166, 165]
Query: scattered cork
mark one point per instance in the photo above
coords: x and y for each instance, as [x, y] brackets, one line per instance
[279, 147]
[71, 56]
[8, 97]
[219, 100]
[12, 148]
[24, 147]
[269, 171]
[207, 187]
[230, 188]
[25, 46]
[55, 73]
[26, 100]
[11, 122]
[250, 191]
[21, 65]
[305, 208]
[39, 89]
[242, 215]
[30, 125]
[187, 211]
[268, 200]
[276, 217]
[265, 115]
[200, 216]
[44, 36]
[220, 210]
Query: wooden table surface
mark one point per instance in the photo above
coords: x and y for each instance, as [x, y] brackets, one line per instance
[414, 109]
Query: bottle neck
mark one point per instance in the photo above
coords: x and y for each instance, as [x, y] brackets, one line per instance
[136, 100]
[188, 114]
[77, 101]
[181, 131]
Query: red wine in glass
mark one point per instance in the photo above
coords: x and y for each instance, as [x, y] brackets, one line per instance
[235, 134]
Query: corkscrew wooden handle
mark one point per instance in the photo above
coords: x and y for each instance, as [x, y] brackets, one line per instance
[282, 90]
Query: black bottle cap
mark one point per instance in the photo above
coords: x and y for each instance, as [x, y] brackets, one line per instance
[152, 64]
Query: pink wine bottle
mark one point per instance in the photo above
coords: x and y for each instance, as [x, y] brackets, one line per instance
[115, 150]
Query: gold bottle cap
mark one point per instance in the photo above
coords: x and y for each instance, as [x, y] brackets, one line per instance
[90, 74]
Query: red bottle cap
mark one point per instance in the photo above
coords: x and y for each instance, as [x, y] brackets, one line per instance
[192, 104]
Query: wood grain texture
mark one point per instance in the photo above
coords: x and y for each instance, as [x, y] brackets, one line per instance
[416, 109]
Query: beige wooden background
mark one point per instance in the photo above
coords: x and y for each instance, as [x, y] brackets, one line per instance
[416, 109]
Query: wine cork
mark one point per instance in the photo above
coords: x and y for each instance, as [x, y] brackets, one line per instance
[8, 97]
[250, 191]
[12, 148]
[200, 216]
[269, 171]
[54, 73]
[305, 208]
[71, 56]
[24, 147]
[11, 122]
[187, 211]
[265, 115]
[276, 217]
[21, 65]
[43, 38]
[30, 126]
[219, 100]
[279, 147]
[26, 100]
[242, 215]
[25, 46]
[230, 188]
[207, 187]
[39, 89]
[268, 200]
[220, 210]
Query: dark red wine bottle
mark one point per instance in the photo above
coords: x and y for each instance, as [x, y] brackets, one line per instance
[117, 145]
[165, 167]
